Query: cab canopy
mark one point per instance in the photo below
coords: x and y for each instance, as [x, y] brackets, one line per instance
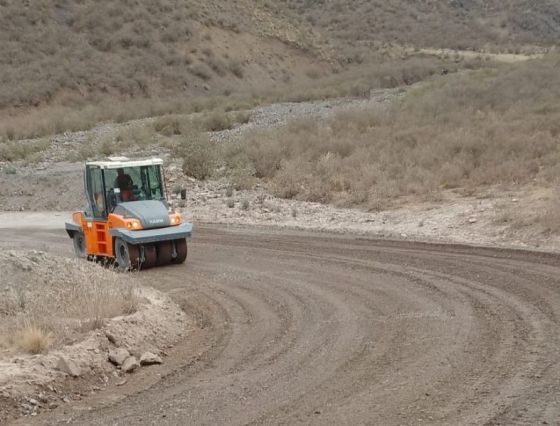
[117, 180]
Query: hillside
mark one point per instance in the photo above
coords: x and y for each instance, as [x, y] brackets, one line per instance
[76, 52]
[68, 65]
[459, 24]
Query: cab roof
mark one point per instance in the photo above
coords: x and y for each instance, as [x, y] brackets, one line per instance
[121, 162]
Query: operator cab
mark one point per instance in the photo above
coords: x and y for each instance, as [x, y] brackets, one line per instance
[110, 183]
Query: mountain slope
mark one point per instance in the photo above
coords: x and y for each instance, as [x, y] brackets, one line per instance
[461, 24]
[80, 50]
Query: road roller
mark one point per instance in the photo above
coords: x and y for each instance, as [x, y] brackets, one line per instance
[128, 220]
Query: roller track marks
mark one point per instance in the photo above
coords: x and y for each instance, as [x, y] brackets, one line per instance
[318, 329]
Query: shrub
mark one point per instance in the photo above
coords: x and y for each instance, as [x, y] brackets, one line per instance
[202, 71]
[198, 154]
[218, 121]
[235, 68]
[33, 339]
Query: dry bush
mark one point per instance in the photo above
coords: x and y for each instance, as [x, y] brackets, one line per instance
[219, 121]
[168, 125]
[199, 155]
[217, 65]
[135, 136]
[235, 68]
[33, 339]
[202, 71]
[22, 150]
[467, 130]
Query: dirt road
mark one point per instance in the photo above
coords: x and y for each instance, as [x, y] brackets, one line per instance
[319, 329]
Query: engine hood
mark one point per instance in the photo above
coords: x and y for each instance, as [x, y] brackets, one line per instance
[151, 213]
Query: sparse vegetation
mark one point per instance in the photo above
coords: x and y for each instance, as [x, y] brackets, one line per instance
[467, 130]
[21, 150]
[458, 25]
[36, 314]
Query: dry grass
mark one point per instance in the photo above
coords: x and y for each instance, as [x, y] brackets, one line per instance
[48, 301]
[22, 150]
[461, 131]
[33, 339]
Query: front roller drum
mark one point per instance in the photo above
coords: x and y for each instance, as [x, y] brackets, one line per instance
[150, 256]
[164, 253]
[180, 251]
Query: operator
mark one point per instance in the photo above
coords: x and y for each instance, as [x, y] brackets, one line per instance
[125, 184]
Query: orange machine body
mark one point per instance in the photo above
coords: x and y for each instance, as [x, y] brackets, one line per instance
[99, 241]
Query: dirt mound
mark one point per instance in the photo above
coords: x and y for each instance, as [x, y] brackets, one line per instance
[62, 318]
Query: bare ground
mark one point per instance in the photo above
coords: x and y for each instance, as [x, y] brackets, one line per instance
[78, 313]
[296, 328]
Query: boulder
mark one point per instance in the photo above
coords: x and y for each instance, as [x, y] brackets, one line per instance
[130, 364]
[68, 366]
[149, 358]
[118, 356]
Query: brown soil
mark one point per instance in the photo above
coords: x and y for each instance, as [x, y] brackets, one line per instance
[322, 329]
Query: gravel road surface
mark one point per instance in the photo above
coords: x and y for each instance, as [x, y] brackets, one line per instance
[296, 328]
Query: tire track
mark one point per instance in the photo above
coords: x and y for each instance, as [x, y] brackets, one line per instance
[319, 329]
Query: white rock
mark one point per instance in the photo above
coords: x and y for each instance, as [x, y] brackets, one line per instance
[118, 356]
[149, 358]
[68, 366]
[130, 365]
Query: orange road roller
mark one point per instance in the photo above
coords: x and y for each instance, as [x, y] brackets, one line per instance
[128, 219]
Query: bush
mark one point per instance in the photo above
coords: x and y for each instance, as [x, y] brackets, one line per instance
[218, 121]
[202, 71]
[198, 154]
[34, 340]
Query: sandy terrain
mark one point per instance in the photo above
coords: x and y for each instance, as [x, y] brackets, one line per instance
[81, 312]
[299, 328]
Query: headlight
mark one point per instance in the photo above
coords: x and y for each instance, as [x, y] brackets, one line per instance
[175, 219]
[133, 224]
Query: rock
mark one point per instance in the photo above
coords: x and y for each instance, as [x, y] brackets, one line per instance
[149, 358]
[130, 364]
[111, 337]
[32, 401]
[472, 220]
[68, 366]
[118, 356]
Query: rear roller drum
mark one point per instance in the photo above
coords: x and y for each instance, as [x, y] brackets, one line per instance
[180, 251]
[80, 245]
